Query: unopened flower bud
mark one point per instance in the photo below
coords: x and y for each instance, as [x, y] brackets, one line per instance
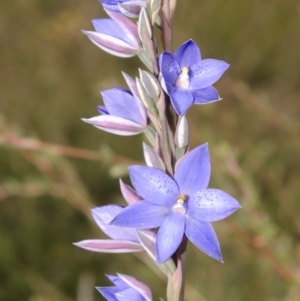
[182, 133]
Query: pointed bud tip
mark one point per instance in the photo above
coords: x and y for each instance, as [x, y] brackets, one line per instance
[85, 120]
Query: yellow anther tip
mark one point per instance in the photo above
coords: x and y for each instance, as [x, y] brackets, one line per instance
[185, 70]
[181, 199]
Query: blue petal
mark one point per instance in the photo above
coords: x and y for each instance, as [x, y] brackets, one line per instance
[206, 73]
[169, 68]
[118, 282]
[154, 185]
[104, 215]
[203, 236]
[133, 88]
[120, 102]
[181, 100]
[141, 215]
[111, 7]
[102, 110]
[110, 2]
[108, 293]
[110, 27]
[129, 28]
[188, 54]
[169, 236]
[205, 95]
[211, 205]
[193, 172]
[129, 294]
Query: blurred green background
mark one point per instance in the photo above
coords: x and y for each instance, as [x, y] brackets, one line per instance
[51, 76]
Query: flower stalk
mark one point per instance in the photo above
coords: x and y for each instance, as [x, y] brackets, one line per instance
[166, 33]
[170, 203]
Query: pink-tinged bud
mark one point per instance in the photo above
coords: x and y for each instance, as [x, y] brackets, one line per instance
[131, 9]
[109, 246]
[115, 125]
[123, 113]
[117, 36]
[111, 45]
[127, 26]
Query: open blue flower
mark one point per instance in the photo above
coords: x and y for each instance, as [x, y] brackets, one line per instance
[179, 206]
[187, 78]
[125, 288]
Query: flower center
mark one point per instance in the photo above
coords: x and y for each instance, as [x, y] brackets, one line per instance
[183, 80]
[180, 206]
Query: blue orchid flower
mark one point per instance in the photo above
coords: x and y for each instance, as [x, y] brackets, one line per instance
[187, 78]
[179, 206]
